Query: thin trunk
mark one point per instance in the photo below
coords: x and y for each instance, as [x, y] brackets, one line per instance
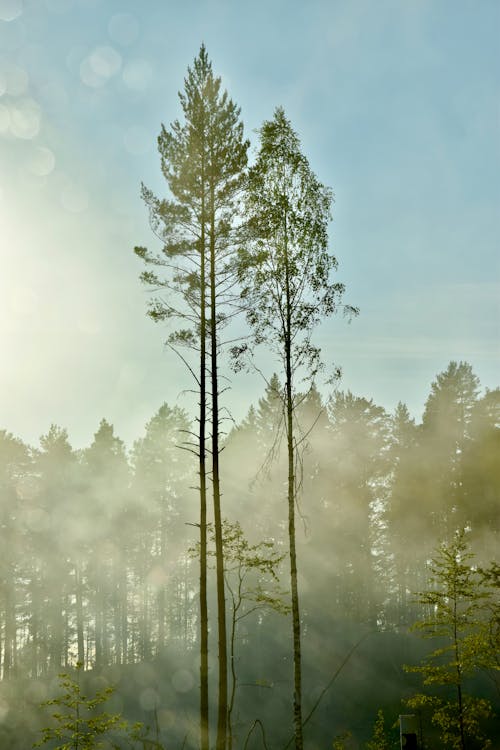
[204, 725]
[145, 635]
[66, 630]
[161, 597]
[10, 630]
[98, 626]
[123, 600]
[461, 717]
[233, 686]
[185, 605]
[459, 675]
[160, 605]
[232, 641]
[79, 615]
[105, 644]
[297, 666]
[88, 649]
[56, 632]
[117, 619]
[35, 613]
[219, 552]
[2, 622]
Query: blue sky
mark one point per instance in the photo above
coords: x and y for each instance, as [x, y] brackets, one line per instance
[397, 106]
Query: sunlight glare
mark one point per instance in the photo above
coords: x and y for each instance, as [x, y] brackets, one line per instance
[25, 116]
[10, 9]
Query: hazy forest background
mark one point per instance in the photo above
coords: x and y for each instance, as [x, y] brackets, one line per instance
[120, 593]
[297, 573]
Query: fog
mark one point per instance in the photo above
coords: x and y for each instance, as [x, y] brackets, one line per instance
[99, 563]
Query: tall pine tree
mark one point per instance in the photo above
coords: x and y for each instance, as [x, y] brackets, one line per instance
[202, 160]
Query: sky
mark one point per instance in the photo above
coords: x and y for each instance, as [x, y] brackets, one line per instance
[398, 109]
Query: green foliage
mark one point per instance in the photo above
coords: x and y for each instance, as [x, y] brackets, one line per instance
[454, 605]
[244, 561]
[451, 401]
[452, 716]
[203, 160]
[359, 431]
[481, 468]
[379, 740]
[78, 722]
[251, 576]
[251, 571]
[342, 741]
[285, 270]
[490, 577]
[285, 267]
[122, 586]
[446, 439]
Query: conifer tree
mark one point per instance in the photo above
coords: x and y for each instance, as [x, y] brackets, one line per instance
[379, 739]
[403, 512]
[161, 474]
[202, 160]
[14, 469]
[78, 723]
[481, 471]
[454, 602]
[445, 438]
[358, 441]
[55, 468]
[106, 472]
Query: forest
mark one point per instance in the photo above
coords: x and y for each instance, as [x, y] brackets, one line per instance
[265, 583]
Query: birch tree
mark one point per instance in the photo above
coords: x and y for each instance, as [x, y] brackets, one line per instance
[285, 269]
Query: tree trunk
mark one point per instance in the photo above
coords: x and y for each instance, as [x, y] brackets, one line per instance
[56, 628]
[459, 676]
[219, 552]
[161, 598]
[98, 626]
[204, 725]
[145, 628]
[35, 614]
[79, 615]
[297, 665]
[123, 611]
[117, 605]
[10, 630]
[236, 603]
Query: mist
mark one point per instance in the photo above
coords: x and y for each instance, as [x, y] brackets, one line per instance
[352, 570]
[99, 560]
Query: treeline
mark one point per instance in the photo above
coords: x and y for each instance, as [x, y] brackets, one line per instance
[98, 555]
